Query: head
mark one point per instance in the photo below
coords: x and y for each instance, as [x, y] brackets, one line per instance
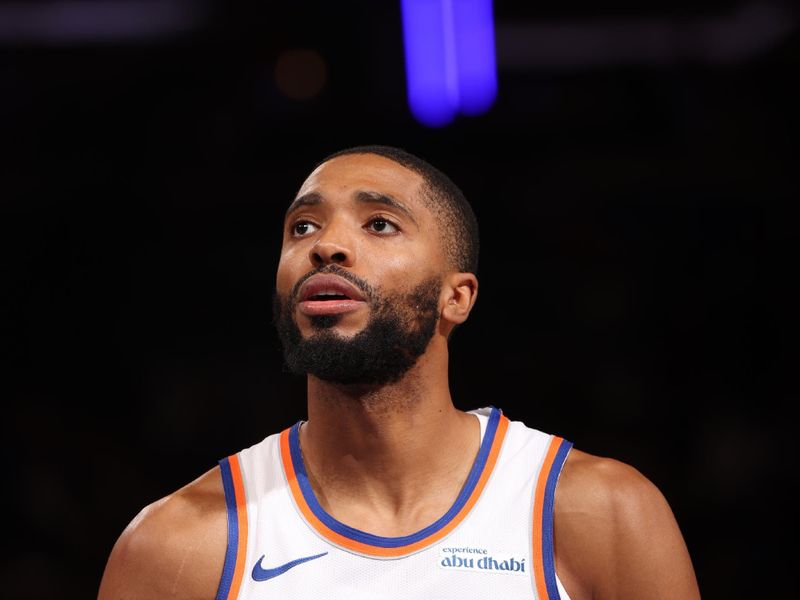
[377, 266]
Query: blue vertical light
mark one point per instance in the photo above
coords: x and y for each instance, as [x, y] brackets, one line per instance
[477, 71]
[450, 58]
[426, 64]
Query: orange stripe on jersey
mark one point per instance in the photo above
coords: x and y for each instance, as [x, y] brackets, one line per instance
[241, 512]
[395, 551]
[538, 512]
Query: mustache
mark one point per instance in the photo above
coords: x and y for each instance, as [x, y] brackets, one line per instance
[361, 284]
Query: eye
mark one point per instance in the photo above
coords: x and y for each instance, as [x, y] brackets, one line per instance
[381, 225]
[302, 228]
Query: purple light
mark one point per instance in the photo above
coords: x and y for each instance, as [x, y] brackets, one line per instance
[477, 75]
[450, 58]
[430, 100]
[96, 21]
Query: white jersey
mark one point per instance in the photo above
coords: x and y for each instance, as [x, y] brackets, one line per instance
[496, 541]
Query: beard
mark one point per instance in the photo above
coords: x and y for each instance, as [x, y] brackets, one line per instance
[398, 332]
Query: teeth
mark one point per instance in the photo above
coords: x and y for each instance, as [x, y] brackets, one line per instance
[329, 294]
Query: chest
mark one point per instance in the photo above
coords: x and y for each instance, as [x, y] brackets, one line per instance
[487, 555]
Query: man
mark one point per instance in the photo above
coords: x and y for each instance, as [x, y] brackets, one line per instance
[388, 491]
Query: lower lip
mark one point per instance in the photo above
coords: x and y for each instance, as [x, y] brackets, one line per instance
[329, 307]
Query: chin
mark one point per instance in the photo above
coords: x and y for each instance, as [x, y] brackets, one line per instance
[342, 325]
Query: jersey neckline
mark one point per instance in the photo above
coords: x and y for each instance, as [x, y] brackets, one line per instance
[362, 542]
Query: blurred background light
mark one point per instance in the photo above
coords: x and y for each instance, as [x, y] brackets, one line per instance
[450, 58]
[300, 74]
[475, 55]
[741, 32]
[82, 21]
[432, 97]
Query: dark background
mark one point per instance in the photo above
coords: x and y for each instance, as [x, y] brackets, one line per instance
[635, 183]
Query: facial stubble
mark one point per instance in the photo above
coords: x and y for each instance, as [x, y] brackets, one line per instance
[398, 332]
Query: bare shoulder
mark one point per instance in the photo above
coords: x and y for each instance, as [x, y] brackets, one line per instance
[605, 486]
[616, 535]
[173, 548]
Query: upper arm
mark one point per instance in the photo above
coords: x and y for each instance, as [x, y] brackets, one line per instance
[616, 536]
[173, 549]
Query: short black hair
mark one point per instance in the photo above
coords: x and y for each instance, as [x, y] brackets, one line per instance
[447, 202]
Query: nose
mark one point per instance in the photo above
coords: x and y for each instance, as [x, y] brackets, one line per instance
[332, 247]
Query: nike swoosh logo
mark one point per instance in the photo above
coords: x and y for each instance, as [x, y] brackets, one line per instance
[262, 574]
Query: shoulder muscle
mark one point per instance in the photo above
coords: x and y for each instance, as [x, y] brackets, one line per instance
[616, 536]
[173, 548]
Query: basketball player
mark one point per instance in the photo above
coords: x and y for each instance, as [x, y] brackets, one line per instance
[388, 491]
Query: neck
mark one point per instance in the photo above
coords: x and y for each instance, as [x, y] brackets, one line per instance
[388, 458]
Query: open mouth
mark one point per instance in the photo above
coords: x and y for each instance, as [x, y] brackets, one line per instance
[328, 297]
[328, 294]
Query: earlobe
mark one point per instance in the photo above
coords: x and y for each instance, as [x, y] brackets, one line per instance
[462, 291]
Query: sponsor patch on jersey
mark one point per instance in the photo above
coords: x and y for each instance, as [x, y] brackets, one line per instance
[480, 560]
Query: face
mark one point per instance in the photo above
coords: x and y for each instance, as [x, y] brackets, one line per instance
[359, 279]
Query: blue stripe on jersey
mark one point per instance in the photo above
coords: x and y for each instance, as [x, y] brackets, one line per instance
[233, 530]
[392, 542]
[548, 559]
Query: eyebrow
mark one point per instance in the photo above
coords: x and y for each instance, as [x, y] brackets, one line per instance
[361, 197]
[310, 199]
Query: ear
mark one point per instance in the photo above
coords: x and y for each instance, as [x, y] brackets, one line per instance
[460, 290]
